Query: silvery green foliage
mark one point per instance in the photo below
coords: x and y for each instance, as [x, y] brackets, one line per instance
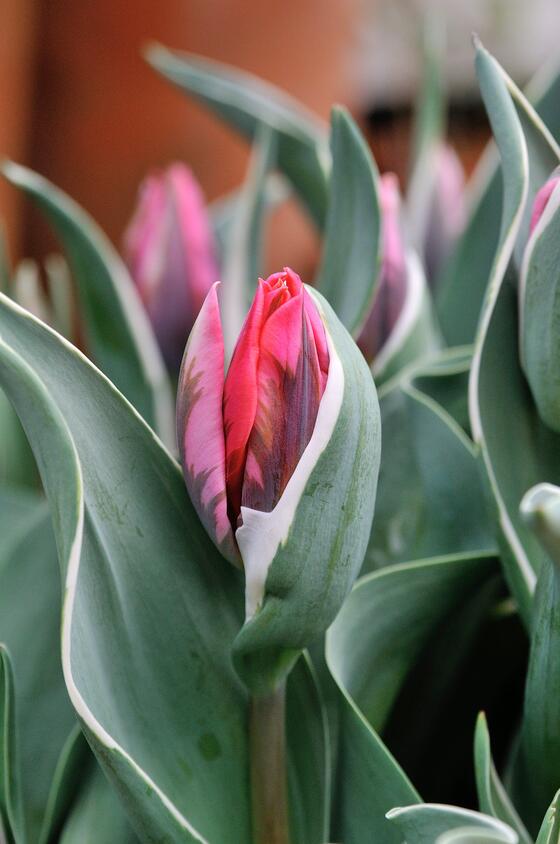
[145, 651]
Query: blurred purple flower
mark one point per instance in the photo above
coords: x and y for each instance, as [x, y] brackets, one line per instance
[391, 289]
[446, 210]
[169, 249]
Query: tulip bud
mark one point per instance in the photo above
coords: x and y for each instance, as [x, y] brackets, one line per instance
[446, 213]
[170, 252]
[280, 459]
[539, 310]
[392, 282]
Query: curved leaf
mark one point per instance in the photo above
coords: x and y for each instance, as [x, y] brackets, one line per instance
[70, 772]
[351, 254]
[97, 817]
[465, 278]
[309, 770]
[17, 466]
[118, 333]
[423, 824]
[501, 408]
[430, 499]
[374, 641]
[539, 305]
[30, 625]
[445, 379]
[550, 830]
[11, 809]
[537, 770]
[388, 619]
[150, 609]
[245, 102]
[474, 835]
[492, 796]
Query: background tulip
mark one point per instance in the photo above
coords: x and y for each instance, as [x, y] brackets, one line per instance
[170, 252]
[391, 289]
[446, 212]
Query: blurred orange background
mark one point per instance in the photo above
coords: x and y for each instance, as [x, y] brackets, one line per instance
[81, 106]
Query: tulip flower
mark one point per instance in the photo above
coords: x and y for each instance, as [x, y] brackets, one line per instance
[539, 312]
[392, 282]
[170, 252]
[446, 212]
[280, 455]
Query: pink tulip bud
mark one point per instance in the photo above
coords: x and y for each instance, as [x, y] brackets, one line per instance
[391, 290]
[541, 199]
[170, 253]
[241, 436]
[447, 210]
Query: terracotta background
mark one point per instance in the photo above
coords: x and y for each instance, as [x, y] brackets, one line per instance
[85, 110]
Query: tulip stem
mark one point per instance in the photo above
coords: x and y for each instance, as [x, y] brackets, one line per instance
[269, 792]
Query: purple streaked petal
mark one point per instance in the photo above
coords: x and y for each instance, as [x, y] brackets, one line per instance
[200, 431]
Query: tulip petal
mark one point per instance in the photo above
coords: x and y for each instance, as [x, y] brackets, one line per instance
[194, 223]
[240, 401]
[261, 533]
[200, 428]
[289, 389]
[171, 255]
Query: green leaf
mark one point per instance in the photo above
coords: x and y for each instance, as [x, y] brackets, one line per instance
[150, 610]
[430, 499]
[539, 290]
[428, 133]
[388, 619]
[550, 830]
[30, 626]
[245, 103]
[117, 330]
[501, 408]
[351, 254]
[492, 796]
[536, 775]
[369, 781]
[504, 414]
[97, 817]
[375, 640]
[242, 259]
[445, 379]
[322, 525]
[17, 466]
[70, 772]
[474, 835]
[462, 287]
[309, 769]
[11, 810]
[423, 824]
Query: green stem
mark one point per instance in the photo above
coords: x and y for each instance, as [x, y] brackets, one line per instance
[269, 793]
